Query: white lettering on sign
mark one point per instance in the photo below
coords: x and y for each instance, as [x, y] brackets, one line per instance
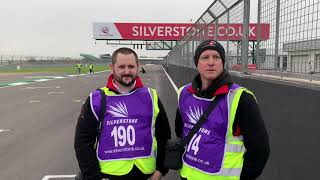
[160, 31]
[222, 31]
[135, 31]
[251, 33]
[176, 31]
[184, 30]
[210, 31]
[233, 31]
[168, 31]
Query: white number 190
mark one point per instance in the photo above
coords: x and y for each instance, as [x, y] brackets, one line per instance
[122, 135]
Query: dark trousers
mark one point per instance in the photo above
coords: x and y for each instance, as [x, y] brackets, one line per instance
[134, 174]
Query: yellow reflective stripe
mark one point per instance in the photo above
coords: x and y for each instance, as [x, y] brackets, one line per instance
[233, 101]
[116, 167]
[235, 140]
[148, 165]
[248, 91]
[154, 97]
[225, 173]
[107, 92]
[233, 160]
[179, 92]
[121, 167]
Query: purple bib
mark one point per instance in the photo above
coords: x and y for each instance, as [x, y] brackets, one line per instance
[206, 149]
[127, 126]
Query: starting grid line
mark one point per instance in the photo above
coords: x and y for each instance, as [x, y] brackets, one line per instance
[43, 79]
[36, 80]
[48, 177]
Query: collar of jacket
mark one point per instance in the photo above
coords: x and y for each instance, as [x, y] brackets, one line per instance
[111, 86]
[221, 90]
[219, 86]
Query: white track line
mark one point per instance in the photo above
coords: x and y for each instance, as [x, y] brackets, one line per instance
[57, 176]
[5, 130]
[45, 79]
[55, 92]
[37, 87]
[174, 85]
[34, 101]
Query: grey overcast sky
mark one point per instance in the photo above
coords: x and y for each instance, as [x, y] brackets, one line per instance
[64, 27]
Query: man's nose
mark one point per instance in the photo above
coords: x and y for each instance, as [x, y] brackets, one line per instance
[211, 61]
[126, 70]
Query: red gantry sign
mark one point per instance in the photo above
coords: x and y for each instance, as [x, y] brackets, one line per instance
[166, 31]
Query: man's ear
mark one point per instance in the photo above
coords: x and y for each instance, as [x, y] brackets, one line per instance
[111, 68]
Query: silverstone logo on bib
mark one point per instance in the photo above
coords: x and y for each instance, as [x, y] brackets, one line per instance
[118, 110]
[194, 114]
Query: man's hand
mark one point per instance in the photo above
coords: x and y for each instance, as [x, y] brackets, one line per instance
[156, 175]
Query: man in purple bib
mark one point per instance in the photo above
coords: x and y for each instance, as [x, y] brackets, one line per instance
[232, 144]
[135, 127]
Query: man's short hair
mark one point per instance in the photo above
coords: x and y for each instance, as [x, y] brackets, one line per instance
[123, 50]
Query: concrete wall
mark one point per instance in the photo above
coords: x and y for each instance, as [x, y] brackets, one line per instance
[292, 117]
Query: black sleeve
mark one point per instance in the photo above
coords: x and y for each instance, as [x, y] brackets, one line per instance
[178, 124]
[84, 141]
[255, 137]
[162, 133]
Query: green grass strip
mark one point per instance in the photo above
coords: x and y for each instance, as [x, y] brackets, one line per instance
[64, 69]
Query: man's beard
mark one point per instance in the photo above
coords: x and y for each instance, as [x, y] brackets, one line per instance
[123, 83]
